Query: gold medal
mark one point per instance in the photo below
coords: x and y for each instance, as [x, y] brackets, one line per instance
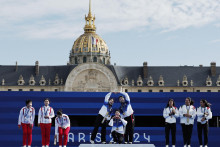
[123, 113]
[117, 129]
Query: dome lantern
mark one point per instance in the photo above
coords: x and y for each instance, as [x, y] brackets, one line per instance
[90, 21]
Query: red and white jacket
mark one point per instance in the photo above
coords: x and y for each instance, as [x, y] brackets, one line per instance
[63, 122]
[26, 116]
[45, 111]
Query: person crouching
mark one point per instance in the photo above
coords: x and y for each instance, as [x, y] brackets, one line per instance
[118, 124]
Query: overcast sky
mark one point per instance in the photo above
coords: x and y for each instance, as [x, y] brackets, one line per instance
[161, 32]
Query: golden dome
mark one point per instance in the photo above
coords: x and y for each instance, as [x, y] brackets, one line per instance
[86, 41]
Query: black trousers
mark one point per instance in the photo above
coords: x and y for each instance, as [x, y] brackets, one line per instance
[98, 123]
[170, 127]
[205, 129]
[117, 137]
[187, 133]
[129, 131]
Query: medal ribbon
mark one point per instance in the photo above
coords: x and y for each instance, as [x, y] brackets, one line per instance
[26, 112]
[45, 112]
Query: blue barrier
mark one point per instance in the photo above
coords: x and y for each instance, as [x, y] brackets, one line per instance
[76, 103]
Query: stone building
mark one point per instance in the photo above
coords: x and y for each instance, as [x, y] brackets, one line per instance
[90, 69]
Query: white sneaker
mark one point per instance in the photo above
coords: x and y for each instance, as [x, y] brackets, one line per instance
[173, 145]
[24, 146]
[103, 142]
[60, 145]
[92, 141]
[130, 143]
[184, 146]
[29, 146]
[167, 145]
[64, 146]
[200, 146]
[189, 145]
[47, 146]
[205, 146]
[126, 143]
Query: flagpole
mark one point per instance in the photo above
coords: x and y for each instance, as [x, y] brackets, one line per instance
[91, 49]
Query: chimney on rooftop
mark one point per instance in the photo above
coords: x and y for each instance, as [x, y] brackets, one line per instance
[213, 68]
[37, 68]
[145, 69]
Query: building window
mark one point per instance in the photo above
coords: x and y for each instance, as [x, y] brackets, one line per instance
[171, 90]
[9, 90]
[95, 59]
[218, 90]
[20, 89]
[139, 90]
[150, 90]
[31, 89]
[42, 90]
[126, 90]
[84, 59]
[103, 60]
[161, 91]
[76, 62]
[55, 89]
[184, 90]
[209, 91]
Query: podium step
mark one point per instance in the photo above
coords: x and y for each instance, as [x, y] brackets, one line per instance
[117, 145]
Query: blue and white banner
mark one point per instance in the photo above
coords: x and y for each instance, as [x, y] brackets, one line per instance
[84, 104]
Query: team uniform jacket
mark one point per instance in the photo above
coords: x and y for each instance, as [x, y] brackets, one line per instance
[170, 119]
[106, 110]
[126, 108]
[200, 114]
[63, 122]
[45, 111]
[26, 116]
[192, 112]
[118, 125]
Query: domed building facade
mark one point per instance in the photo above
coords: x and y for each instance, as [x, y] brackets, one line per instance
[90, 70]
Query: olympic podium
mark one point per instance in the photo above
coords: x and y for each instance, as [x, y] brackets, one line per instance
[117, 145]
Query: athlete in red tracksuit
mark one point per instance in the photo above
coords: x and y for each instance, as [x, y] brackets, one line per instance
[62, 127]
[26, 120]
[45, 116]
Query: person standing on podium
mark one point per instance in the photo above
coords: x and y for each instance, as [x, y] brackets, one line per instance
[128, 115]
[204, 113]
[170, 113]
[45, 115]
[26, 120]
[102, 118]
[187, 114]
